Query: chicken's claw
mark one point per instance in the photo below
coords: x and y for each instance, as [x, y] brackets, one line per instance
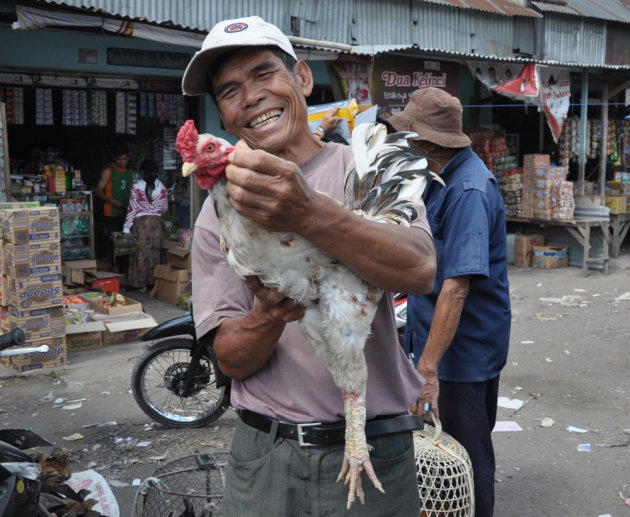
[356, 457]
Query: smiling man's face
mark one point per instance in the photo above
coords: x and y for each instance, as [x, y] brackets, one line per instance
[261, 101]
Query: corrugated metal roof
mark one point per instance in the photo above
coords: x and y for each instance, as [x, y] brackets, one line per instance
[505, 7]
[568, 38]
[613, 10]
[374, 50]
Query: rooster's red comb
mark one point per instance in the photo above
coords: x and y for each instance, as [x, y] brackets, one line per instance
[186, 143]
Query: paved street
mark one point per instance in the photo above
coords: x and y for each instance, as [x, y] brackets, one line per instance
[568, 362]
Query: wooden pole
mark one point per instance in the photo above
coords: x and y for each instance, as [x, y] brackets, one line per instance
[603, 157]
[583, 125]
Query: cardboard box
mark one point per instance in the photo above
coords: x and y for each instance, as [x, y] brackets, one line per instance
[170, 282]
[179, 257]
[74, 271]
[55, 357]
[168, 244]
[22, 262]
[39, 323]
[126, 328]
[26, 225]
[21, 204]
[617, 204]
[43, 220]
[4, 291]
[347, 109]
[536, 160]
[523, 248]
[84, 340]
[15, 226]
[99, 302]
[35, 292]
[551, 256]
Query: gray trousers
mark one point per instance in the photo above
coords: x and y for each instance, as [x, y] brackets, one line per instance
[274, 477]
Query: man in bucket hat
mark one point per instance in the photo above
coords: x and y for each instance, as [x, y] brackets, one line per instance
[279, 387]
[459, 334]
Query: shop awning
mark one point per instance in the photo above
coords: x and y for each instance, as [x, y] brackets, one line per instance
[29, 18]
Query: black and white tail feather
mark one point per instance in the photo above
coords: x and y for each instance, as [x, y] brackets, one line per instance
[386, 178]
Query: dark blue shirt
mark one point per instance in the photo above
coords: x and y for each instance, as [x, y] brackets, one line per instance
[467, 219]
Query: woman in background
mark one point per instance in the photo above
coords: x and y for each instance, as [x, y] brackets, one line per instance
[147, 202]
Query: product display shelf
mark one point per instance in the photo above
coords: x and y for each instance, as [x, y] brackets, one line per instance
[76, 220]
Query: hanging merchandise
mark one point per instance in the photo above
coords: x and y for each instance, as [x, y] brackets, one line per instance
[595, 138]
[143, 104]
[173, 115]
[43, 107]
[169, 156]
[150, 104]
[131, 113]
[98, 108]
[74, 108]
[126, 112]
[14, 101]
[120, 112]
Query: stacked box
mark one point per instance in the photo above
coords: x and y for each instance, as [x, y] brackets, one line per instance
[544, 180]
[31, 285]
[530, 163]
[512, 192]
[563, 203]
[523, 246]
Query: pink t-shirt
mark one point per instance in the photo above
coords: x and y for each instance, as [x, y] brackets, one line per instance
[294, 385]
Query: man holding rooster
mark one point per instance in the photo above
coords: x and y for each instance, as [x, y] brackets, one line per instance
[285, 180]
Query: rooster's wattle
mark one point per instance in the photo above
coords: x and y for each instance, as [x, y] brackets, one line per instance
[384, 183]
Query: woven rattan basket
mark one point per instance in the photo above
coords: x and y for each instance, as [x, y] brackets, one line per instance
[445, 477]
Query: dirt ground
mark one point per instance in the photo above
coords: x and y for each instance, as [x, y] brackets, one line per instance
[568, 362]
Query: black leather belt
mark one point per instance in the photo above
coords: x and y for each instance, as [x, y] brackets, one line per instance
[317, 433]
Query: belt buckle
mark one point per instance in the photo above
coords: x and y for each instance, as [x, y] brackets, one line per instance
[300, 434]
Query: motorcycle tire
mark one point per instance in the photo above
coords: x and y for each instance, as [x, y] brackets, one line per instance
[161, 369]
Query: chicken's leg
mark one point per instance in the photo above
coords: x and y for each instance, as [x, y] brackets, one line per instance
[356, 456]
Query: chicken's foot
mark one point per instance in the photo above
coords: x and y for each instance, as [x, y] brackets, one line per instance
[356, 456]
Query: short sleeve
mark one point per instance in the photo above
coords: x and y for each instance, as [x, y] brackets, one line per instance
[218, 292]
[466, 242]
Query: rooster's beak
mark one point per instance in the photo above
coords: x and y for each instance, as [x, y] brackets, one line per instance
[188, 168]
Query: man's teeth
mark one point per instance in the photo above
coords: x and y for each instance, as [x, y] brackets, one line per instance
[265, 119]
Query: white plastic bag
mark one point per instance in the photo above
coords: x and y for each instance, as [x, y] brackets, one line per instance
[99, 489]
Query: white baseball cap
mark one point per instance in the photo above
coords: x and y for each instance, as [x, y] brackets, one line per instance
[252, 31]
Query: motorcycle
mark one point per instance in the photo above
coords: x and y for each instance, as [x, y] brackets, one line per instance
[177, 381]
[19, 473]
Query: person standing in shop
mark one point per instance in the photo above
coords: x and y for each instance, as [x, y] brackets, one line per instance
[114, 188]
[459, 334]
[148, 201]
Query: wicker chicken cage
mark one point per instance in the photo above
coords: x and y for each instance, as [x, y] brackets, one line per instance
[445, 476]
[192, 485]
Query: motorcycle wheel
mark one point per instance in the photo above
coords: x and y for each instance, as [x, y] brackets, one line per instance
[158, 374]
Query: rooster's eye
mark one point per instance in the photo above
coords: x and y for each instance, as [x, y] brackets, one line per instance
[209, 147]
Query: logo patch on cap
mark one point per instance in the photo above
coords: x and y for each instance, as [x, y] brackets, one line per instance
[236, 27]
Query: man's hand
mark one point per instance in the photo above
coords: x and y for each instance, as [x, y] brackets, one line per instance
[428, 401]
[116, 203]
[274, 302]
[269, 191]
[330, 120]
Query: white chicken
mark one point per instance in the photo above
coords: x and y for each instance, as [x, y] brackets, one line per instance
[384, 183]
